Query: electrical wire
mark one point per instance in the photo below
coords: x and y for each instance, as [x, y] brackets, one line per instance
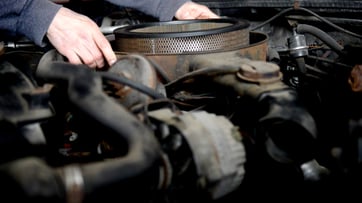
[283, 12]
[125, 81]
[272, 18]
[320, 59]
[330, 23]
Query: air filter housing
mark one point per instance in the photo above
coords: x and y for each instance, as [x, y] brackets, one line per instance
[183, 37]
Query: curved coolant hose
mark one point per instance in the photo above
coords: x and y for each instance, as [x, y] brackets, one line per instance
[288, 125]
[85, 92]
[320, 34]
[143, 148]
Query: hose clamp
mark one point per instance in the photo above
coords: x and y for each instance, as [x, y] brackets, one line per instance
[74, 184]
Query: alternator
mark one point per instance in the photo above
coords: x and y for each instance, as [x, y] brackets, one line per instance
[215, 144]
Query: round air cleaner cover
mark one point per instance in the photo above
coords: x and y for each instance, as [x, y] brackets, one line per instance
[183, 36]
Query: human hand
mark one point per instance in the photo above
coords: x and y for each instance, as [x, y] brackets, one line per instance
[79, 39]
[191, 10]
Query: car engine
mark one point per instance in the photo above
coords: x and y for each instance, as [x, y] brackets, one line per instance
[262, 103]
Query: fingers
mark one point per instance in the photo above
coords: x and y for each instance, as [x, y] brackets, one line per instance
[206, 15]
[80, 40]
[191, 10]
[72, 57]
[106, 50]
[100, 49]
[82, 56]
[92, 51]
[91, 55]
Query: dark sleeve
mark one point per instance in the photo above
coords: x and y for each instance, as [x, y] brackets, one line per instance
[161, 9]
[30, 18]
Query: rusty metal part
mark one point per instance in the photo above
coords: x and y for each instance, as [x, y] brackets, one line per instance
[260, 72]
[257, 48]
[183, 37]
[355, 79]
[177, 65]
[138, 68]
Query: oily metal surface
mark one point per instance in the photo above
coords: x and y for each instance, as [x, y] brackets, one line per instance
[183, 37]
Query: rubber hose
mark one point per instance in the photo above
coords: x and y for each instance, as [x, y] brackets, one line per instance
[323, 36]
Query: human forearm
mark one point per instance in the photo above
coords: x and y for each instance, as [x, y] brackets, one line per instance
[30, 18]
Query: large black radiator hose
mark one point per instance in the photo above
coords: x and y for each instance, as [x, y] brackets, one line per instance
[32, 178]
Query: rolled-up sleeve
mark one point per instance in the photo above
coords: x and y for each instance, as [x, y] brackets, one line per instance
[30, 18]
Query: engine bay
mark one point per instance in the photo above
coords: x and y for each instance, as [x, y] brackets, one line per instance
[261, 103]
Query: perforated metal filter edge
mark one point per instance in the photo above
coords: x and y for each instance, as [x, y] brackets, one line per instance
[190, 44]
